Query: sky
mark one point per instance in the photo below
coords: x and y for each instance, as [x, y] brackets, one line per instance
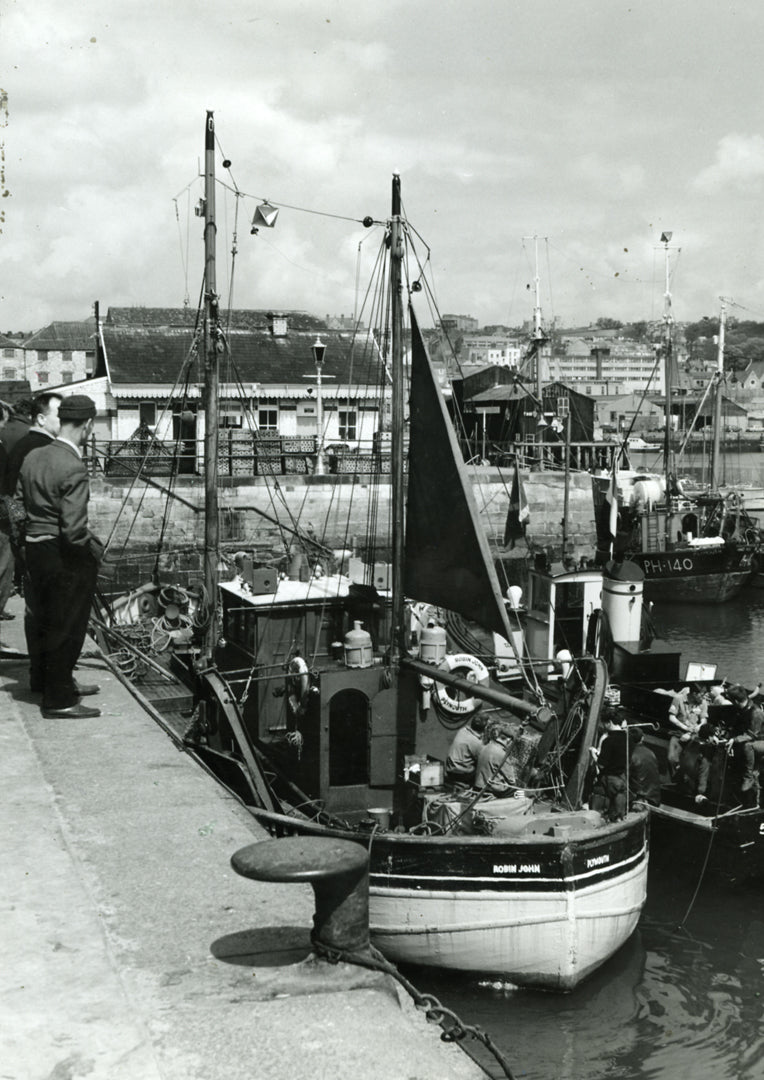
[592, 125]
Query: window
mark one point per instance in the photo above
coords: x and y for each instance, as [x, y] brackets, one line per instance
[147, 413]
[268, 419]
[9, 352]
[67, 376]
[9, 372]
[42, 356]
[66, 356]
[347, 424]
[42, 376]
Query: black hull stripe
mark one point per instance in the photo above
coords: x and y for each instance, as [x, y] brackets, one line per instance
[506, 883]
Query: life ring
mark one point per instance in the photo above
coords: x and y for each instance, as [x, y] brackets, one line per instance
[298, 685]
[468, 667]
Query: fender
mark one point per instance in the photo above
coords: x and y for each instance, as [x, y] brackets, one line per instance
[298, 685]
[469, 667]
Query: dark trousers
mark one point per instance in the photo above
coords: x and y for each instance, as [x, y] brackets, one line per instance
[61, 585]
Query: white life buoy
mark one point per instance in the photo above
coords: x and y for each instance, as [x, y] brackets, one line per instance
[468, 667]
[298, 685]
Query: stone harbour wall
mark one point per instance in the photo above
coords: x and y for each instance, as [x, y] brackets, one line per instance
[334, 509]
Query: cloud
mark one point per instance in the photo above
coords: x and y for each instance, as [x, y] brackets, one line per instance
[739, 164]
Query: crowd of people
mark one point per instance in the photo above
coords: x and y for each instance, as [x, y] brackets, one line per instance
[47, 550]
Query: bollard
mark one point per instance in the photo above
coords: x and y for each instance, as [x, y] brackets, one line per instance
[338, 870]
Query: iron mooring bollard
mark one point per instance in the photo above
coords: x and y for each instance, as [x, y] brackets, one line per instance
[338, 870]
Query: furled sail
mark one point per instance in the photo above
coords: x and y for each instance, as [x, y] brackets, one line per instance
[447, 560]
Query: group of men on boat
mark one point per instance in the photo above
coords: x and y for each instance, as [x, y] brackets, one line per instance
[716, 744]
[497, 759]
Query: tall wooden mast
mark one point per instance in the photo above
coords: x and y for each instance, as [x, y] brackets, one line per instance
[718, 387]
[668, 322]
[213, 346]
[397, 442]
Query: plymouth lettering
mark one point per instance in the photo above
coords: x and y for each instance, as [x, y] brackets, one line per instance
[597, 860]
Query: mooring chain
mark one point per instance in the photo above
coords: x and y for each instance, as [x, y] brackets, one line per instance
[454, 1029]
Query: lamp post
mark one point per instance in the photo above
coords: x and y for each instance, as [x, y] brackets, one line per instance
[319, 352]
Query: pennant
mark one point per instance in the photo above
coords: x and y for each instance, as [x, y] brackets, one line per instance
[612, 499]
[518, 512]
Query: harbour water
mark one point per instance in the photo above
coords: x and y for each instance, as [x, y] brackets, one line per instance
[684, 998]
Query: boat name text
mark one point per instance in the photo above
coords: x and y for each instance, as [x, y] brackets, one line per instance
[513, 868]
[598, 860]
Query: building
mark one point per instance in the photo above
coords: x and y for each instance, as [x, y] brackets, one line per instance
[13, 367]
[154, 358]
[597, 358]
[60, 354]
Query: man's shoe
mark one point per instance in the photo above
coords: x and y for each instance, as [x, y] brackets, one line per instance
[86, 689]
[72, 712]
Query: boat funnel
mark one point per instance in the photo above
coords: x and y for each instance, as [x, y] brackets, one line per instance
[622, 589]
[358, 649]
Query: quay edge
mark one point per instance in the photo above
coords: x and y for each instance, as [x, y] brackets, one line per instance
[132, 950]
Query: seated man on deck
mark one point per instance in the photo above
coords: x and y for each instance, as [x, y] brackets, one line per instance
[464, 751]
[747, 745]
[497, 771]
[699, 770]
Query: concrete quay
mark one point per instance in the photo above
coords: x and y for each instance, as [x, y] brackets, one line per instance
[133, 951]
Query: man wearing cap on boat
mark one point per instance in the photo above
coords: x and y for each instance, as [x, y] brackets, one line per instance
[62, 558]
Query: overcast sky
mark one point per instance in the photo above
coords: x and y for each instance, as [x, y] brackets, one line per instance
[593, 124]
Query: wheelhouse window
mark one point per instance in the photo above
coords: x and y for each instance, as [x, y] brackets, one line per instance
[147, 413]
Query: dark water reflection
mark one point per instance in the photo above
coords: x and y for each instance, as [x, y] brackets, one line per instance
[684, 998]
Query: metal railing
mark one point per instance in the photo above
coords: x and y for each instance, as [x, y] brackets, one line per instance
[239, 455]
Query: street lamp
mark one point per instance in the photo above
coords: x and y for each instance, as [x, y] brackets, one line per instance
[319, 351]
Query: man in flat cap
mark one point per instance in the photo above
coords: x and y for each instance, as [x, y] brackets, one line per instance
[62, 558]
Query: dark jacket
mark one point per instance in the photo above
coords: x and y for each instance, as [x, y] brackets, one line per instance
[644, 775]
[53, 483]
[33, 440]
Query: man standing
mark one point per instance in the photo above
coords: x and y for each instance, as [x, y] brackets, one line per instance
[6, 552]
[62, 557]
[42, 431]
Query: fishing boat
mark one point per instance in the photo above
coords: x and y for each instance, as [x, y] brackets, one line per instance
[601, 609]
[327, 701]
[692, 547]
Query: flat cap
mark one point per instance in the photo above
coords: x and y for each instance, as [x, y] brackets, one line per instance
[77, 407]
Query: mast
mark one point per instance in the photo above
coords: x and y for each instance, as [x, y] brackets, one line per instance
[539, 337]
[718, 387]
[668, 320]
[397, 445]
[213, 345]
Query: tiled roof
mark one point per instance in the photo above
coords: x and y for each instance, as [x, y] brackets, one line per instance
[79, 336]
[175, 318]
[150, 357]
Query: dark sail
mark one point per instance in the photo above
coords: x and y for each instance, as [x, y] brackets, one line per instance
[447, 561]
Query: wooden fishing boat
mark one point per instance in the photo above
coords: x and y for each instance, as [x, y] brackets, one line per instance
[329, 708]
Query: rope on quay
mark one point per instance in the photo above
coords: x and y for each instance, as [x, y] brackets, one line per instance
[454, 1029]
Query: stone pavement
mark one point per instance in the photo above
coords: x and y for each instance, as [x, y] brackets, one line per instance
[132, 951]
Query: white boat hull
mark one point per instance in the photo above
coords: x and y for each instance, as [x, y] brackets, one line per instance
[549, 938]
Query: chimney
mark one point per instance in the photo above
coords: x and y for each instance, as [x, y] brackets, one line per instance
[277, 324]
